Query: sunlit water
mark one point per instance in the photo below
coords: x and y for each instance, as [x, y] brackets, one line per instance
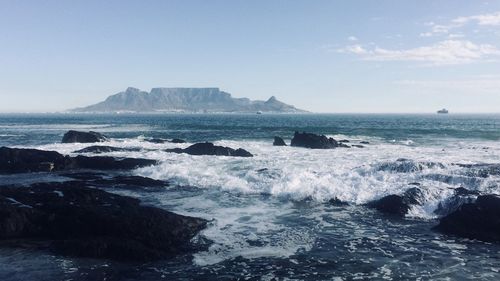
[270, 214]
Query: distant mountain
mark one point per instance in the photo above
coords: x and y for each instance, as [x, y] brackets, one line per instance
[184, 100]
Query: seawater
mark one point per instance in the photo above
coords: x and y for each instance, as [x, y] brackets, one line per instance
[270, 214]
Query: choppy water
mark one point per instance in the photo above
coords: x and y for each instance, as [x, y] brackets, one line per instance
[270, 214]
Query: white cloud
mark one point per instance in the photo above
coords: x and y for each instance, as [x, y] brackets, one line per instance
[492, 19]
[442, 53]
[352, 38]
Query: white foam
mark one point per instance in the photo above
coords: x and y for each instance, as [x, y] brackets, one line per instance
[350, 175]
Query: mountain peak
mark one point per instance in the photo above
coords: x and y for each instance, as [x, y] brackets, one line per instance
[272, 99]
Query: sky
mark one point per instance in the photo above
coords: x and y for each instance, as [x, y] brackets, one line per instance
[339, 56]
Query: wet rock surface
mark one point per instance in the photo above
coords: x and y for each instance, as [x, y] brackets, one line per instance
[478, 220]
[208, 148]
[18, 160]
[398, 205]
[105, 149]
[158, 140]
[72, 219]
[83, 137]
[278, 141]
[314, 141]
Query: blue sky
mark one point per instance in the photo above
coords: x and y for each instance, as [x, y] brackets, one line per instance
[324, 56]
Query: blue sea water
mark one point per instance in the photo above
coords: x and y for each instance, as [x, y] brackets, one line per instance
[270, 214]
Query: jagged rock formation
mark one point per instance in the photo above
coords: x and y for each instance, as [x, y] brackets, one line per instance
[184, 100]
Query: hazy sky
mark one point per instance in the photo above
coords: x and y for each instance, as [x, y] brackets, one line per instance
[324, 56]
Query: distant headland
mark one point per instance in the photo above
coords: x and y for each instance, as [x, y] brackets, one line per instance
[185, 100]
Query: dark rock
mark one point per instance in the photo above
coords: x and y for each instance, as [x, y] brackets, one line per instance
[131, 182]
[104, 149]
[398, 204]
[462, 196]
[364, 142]
[83, 137]
[337, 202]
[479, 220]
[156, 140]
[18, 160]
[481, 170]
[344, 141]
[402, 165]
[357, 145]
[279, 142]
[87, 222]
[108, 163]
[211, 149]
[84, 176]
[309, 140]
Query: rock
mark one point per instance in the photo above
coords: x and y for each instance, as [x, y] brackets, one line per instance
[86, 222]
[403, 165]
[461, 196]
[208, 148]
[344, 141]
[177, 141]
[132, 183]
[102, 180]
[309, 140]
[398, 205]
[279, 142]
[357, 145]
[107, 163]
[156, 140]
[19, 160]
[364, 142]
[479, 220]
[83, 137]
[337, 202]
[104, 149]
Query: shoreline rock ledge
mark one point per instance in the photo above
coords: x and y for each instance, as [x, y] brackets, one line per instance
[71, 219]
[22, 160]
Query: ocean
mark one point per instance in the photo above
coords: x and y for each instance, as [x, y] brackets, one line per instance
[271, 215]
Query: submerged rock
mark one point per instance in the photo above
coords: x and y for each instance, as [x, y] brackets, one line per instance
[177, 141]
[364, 142]
[104, 149]
[479, 220]
[86, 222]
[83, 137]
[337, 202]
[208, 148]
[19, 160]
[279, 142]
[398, 204]
[157, 140]
[461, 196]
[314, 141]
[403, 165]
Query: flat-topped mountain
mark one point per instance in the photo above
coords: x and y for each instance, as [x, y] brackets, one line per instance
[184, 100]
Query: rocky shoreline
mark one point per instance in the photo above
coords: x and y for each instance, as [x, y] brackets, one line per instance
[77, 217]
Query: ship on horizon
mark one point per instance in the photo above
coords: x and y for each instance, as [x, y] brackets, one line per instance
[442, 111]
